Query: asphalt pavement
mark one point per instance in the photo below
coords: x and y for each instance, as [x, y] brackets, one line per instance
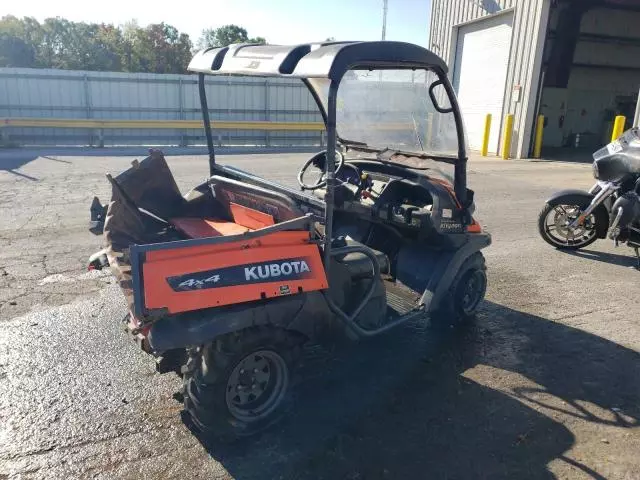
[545, 384]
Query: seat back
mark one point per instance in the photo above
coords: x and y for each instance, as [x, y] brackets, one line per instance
[151, 186]
[278, 205]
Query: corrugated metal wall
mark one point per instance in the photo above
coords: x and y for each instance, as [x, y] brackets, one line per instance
[108, 95]
[529, 28]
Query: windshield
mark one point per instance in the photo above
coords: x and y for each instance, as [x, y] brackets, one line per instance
[392, 109]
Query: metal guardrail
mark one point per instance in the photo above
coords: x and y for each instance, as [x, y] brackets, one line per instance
[100, 125]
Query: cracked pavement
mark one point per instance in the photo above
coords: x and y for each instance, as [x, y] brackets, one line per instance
[546, 384]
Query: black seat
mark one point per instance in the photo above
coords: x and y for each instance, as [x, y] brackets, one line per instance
[359, 265]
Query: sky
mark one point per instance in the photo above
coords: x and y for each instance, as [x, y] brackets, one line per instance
[279, 21]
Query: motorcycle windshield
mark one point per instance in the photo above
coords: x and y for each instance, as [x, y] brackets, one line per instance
[618, 159]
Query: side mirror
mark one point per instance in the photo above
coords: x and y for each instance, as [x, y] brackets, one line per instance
[442, 94]
[469, 200]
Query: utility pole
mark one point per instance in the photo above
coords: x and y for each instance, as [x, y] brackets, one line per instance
[384, 19]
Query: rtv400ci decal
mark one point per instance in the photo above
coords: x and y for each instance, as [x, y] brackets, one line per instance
[245, 274]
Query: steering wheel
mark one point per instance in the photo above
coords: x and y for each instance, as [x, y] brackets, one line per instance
[318, 161]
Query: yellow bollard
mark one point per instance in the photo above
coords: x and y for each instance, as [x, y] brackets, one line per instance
[485, 138]
[506, 139]
[618, 127]
[537, 146]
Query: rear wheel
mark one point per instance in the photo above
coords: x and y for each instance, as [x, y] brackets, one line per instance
[240, 384]
[465, 295]
[554, 221]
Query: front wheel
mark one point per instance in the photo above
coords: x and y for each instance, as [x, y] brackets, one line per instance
[465, 295]
[554, 223]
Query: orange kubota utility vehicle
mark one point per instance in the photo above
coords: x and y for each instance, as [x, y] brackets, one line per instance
[226, 282]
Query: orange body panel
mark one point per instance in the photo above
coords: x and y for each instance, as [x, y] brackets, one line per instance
[245, 219]
[217, 262]
[250, 218]
[203, 227]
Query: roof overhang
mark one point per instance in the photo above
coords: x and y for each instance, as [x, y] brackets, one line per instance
[312, 60]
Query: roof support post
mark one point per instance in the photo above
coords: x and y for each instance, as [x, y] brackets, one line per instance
[330, 172]
[207, 123]
[460, 177]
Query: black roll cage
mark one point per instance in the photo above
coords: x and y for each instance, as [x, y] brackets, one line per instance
[328, 60]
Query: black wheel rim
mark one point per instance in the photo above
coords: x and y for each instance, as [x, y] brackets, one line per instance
[556, 226]
[472, 291]
[257, 385]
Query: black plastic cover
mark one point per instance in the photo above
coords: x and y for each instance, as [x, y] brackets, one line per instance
[618, 159]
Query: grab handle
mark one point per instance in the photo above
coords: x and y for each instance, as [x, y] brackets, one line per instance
[349, 320]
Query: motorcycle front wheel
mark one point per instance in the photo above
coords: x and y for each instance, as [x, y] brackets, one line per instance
[554, 221]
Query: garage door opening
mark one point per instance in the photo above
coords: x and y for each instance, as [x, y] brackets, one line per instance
[480, 74]
[591, 74]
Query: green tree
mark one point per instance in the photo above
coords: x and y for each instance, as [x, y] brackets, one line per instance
[160, 48]
[15, 52]
[109, 53]
[129, 60]
[226, 35]
[19, 41]
[54, 52]
[81, 46]
[60, 43]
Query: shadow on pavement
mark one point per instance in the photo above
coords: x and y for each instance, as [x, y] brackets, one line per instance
[629, 260]
[398, 406]
[569, 154]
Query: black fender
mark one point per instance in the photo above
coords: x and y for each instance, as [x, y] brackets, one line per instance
[601, 213]
[431, 271]
[304, 313]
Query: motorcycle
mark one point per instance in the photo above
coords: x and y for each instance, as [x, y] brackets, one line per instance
[574, 219]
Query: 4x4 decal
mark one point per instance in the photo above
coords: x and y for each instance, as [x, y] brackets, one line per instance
[192, 282]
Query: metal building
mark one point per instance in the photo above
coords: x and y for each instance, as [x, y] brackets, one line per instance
[577, 62]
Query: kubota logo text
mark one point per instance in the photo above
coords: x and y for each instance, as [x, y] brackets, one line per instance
[275, 270]
[286, 269]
